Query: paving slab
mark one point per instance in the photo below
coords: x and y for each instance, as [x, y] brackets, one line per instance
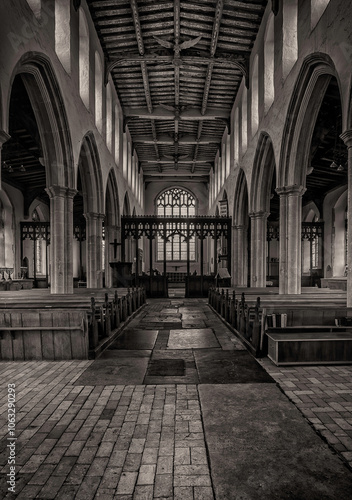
[192, 338]
[229, 367]
[117, 368]
[261, 448]
[136, 340]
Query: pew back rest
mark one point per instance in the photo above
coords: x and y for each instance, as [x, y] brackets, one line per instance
[39, 334]
[307, 316]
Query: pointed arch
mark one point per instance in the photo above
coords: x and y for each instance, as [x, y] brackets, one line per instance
[262, 174]
[48, 106]
[315, 75]
[91, 175]
[240, 206]
[126, 205]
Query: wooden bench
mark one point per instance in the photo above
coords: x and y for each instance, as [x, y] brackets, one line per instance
[37, 335]
[310, 348]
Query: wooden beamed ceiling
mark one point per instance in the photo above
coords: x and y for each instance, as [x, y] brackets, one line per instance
[177, 67]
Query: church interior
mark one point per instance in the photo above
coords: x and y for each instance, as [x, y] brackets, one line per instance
[175, 250]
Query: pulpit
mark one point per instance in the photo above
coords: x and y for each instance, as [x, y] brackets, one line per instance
[121, 274]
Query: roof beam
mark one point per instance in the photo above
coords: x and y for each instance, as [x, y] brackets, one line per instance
[140, 43]
[214, 40]
[167, 140]
[161, 113]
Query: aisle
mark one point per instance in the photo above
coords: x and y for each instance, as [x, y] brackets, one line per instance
[175, 409]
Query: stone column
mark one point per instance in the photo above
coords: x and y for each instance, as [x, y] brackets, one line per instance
[94, 249]
[61, 238]
[290, 239]
[240, 256]
[3, 138]
[347, 138]
[258, 248]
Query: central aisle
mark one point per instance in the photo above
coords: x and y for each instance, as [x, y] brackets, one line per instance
[198, 418]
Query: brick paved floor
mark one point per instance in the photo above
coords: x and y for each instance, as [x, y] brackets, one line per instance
[324, 396]
[139, 441]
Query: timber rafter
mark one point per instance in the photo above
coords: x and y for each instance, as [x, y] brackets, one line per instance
[177, 66]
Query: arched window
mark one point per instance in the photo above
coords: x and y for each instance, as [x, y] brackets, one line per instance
[255, 97]
[244, 121]
[236, 139]
[98, 93]
[317, 8]
[117, 135]
[83, 61]
[63, 33]
[228, 155]
[289, 36]
[176, 202]
[109, 117]
[269, 64]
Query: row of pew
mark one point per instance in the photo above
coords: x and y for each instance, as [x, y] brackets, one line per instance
[68, 328]
[287, 331]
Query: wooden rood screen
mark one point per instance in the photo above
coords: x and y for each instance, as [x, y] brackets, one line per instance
[187, 228]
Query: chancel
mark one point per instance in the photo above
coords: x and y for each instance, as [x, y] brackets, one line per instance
[175, 249]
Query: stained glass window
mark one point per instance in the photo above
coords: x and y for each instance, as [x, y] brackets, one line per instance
[176, 202]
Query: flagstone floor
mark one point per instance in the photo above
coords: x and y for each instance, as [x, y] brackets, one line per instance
[177, 409]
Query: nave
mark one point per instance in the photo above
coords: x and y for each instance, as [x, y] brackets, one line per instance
[177, 408]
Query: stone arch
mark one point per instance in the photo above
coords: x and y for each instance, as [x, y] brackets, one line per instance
[314, 77]
[240, 207]
[262, 173]
[112, 226]
[126, 205]
[91, 175]
[240, 232]
[90, 204]
[48, 106]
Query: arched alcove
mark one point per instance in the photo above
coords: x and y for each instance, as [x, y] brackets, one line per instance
[38, 158]
[241, 233]
[112, 227]
[88, 215]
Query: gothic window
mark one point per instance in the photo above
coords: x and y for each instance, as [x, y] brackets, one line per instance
[315, 245]
[176, 202]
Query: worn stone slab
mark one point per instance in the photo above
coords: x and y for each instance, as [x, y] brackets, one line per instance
[136, 340]
[116, 368]
[262, 448]
[192, 338]
[229, 367]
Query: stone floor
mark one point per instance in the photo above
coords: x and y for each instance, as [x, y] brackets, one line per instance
[177, 409]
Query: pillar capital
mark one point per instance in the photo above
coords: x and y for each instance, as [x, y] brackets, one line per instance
[94, 216]
[61, 191]
[294, 190]
[261, 214]
[347, 138]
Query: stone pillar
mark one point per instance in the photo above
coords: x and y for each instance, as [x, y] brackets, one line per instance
[258, 248]
[240, 256]
[61, 238]
[94, 232]
[347, 138]
[290, 239]
[3, 138]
